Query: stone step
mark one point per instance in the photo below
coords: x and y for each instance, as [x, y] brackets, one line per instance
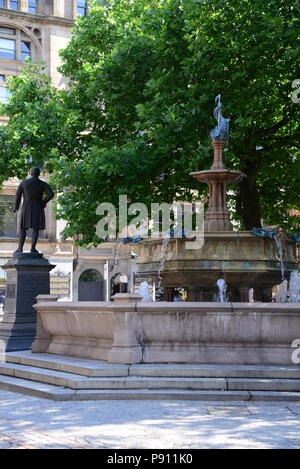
[79, 366]
[77, 382]
[47, 391]
[253, 384]
[217, 371]
[68, 378]
[57, 393]
[72, 381]
[96, 368]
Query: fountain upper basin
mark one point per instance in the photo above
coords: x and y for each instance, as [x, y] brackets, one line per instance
[217, 175]
[243, 260]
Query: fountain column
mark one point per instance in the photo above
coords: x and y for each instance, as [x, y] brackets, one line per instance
[218, 177]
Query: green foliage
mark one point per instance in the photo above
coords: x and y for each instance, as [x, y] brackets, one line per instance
[40, 126]
[137, 117]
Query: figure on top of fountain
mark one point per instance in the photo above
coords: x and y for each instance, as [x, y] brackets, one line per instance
[221, 132]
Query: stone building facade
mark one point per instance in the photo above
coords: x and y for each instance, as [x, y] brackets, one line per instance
[39, 29]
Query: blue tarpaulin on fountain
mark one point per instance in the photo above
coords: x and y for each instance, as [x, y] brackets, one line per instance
[272, 232]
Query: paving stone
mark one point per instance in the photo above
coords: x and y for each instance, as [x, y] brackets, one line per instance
[228, 410]
[279, 412]
[294, 408]
[275, 396]
[31, 422]
[4, 444]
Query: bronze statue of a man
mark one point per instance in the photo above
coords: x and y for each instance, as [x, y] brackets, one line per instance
[33, 191]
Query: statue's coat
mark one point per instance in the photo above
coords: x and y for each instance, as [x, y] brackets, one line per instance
[34, 202]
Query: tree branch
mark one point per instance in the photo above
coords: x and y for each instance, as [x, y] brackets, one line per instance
[276, 127]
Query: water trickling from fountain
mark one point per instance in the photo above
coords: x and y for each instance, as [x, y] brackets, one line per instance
[116, 257]
[294, 287]
[289, 292]
[222, 291]
[159, 292]
[280, 243]
[282, 294]
[144, 292]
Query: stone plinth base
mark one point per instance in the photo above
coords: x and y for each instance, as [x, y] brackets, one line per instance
[27, 276]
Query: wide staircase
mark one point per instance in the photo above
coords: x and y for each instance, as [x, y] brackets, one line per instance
[66, 378]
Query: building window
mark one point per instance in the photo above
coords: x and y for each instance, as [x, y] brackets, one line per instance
[7, 48]
[2, 282]
[32, 6]
[14, 44]
[119, 284]
[2, 4]
[7, 31]
[4, 94]
[25, 50]
[4, 91]
[8, 220]
[14, 4]
[81, 7]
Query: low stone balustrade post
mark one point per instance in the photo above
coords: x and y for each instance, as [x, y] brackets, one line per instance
[126, 348]
[42, 338]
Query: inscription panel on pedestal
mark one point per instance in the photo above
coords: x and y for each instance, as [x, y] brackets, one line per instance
[10, 291]
[29, 286]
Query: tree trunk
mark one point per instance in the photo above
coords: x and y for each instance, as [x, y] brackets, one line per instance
[248, 202]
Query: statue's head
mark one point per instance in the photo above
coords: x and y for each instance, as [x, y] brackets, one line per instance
[35, 172]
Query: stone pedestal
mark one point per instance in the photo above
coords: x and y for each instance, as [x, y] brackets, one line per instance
[263, 294]
[27, 276]
[217, 177]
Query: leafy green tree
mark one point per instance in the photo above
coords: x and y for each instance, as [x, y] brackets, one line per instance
[40, 125]
[136, 119]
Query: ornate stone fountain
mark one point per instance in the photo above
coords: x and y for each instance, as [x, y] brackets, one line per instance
[129, 330]
[243, 260]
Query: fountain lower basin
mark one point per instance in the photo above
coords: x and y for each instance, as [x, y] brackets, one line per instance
[243, 260]
[127, 331]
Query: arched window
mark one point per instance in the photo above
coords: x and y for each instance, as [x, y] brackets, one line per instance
[90, 286]
[14, 44]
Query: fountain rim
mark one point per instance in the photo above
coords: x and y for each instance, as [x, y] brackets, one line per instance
[216, 173]
[212, 234]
